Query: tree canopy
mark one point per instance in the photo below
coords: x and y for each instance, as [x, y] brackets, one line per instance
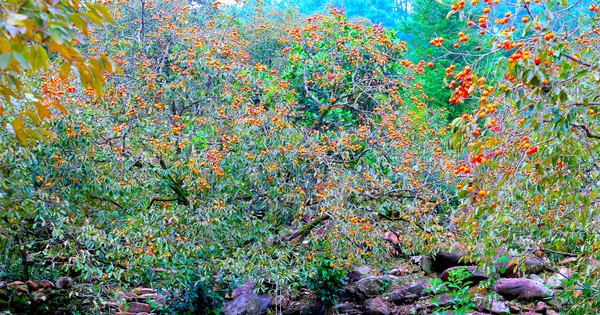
[167, 143]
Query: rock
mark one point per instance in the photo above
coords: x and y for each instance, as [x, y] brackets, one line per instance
[15, 284]
[499, 308]
[556, 281]
[136, 307]
[19, 286]
[514, 309]
[64, 283]
[39, 296]
[363, 270]
[536, 278]
[377, 306]
[522, 289]
[401, 296]
[532, 265]
[246, 302]
[401, 270]
[443, 260]
[141, 291]
[541, 307]
[426, 264]
[32, 285]
[142, 297]
[46, 284]
[246, 288]
[409, 293]
[312, 309]
[358, 273]
[475, 274]
[375, 285]
[569, 261]
[347, 308]
[491, 306]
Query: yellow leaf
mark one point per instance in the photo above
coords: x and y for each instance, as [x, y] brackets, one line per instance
[64, 71]
[32, 115]
[17, 124]
[42, 111]
[61, 108]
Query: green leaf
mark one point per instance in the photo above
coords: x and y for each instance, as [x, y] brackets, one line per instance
[5, 60]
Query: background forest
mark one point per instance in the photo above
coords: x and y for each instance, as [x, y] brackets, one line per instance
[193, 146]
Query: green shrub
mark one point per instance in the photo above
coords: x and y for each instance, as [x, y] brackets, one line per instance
[326, 280]
[198, 298]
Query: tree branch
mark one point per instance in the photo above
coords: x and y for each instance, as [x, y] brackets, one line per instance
[153, 200]
[588, 133]
[107, 200]
[578, 61]
[305, 230]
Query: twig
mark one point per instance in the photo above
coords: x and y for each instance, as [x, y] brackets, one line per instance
[588, 133]
[153, 200]
[578, 61]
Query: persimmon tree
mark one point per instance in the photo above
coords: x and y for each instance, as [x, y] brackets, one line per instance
[210, 157]
[530, 178]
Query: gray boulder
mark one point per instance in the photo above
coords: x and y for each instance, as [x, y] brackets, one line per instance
[522, 289]
[246, 302]
[375, 285]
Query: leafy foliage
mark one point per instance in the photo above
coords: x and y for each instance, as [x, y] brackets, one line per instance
[325, 280]
[32, 34]
[458, 290]
[238, 141]
[199, 298]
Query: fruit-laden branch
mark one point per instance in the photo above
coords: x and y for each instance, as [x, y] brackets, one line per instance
[578, 61]
[306, 229]
[322, 108]
[153, 200]
[398, 193]
[588, 133]
[174, 185]
[389, 218]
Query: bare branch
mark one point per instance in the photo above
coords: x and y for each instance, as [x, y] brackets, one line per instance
[588, 133]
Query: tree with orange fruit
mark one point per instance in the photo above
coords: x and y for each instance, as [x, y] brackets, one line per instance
[533, 140]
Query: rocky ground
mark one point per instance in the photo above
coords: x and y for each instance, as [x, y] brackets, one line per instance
[427, 285]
